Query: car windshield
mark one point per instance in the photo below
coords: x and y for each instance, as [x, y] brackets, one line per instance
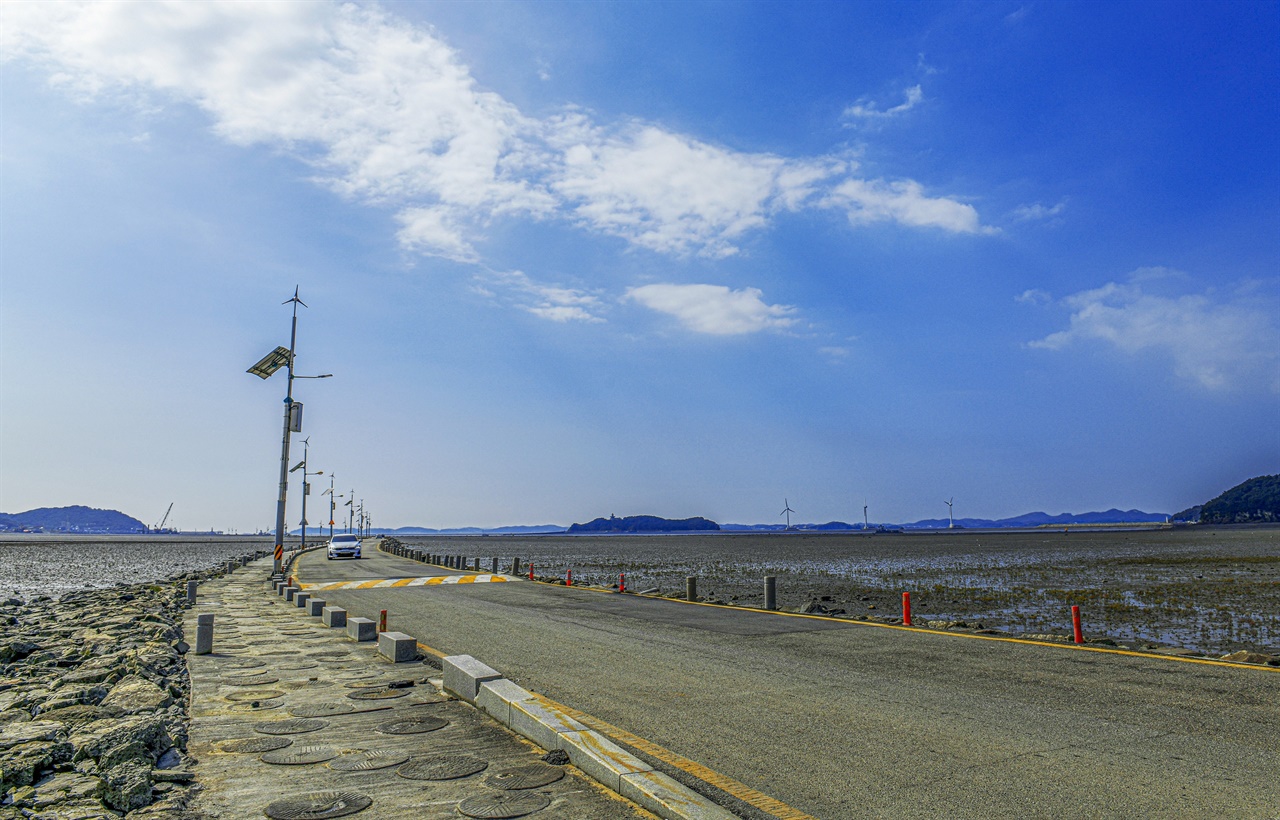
[344, 539]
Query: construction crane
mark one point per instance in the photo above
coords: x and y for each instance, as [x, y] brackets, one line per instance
[160, 527]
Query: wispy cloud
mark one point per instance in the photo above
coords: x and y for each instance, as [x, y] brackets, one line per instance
[387, 114]
[715, 309]
[1037, 211]
[1217, 343]
[866, 110]
[904, 202]
[1033, 296]
[551, 302]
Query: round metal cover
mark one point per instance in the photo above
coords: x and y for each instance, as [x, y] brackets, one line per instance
[503, 805]
[317, 806]
[368, 761]
[412, 726]
[321, 709]
[244, 663]
[254, 745]
[238, 674]
[292, 667]
[331, 653]
[377, 694]
[279, 652]
[255, 694]
[257, 705]
[292, 726]
[532, 776]
[256, 680]
[232, 646]
[299, 755]
[442, 767]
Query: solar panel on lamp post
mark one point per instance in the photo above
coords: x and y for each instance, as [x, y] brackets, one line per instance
[264, 369]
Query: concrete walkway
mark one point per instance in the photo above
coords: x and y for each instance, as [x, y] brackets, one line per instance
[352, 729]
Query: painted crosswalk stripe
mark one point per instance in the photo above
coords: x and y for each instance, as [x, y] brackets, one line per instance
[384, 583]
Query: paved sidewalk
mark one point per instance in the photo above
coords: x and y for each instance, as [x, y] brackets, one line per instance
[352, 729]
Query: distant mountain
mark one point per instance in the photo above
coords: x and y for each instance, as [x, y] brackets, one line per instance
[1027, 520]
[531, 529]
[644, 523]
[1255, 500]
[71, 520]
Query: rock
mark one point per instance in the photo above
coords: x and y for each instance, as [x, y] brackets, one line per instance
[128, 785]
[64, 786]
[133, 694]
[169, 760]
[95, 739]
[1251, 657]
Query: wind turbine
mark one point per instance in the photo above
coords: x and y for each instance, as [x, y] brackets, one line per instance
[951, 525]
[786, 510]
[866, 525]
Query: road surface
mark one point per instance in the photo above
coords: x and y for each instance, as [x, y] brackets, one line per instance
[844, 720]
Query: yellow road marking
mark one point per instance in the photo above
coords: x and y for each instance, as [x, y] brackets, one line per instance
[390, 583]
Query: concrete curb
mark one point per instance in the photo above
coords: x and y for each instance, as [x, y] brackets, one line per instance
[542, 721]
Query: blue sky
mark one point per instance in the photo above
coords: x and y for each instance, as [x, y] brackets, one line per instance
[574, 259]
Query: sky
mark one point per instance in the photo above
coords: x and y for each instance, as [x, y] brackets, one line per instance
[573, 259]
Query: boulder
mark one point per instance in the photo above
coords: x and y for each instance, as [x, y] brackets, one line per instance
[133, 694]
[64, 786]
[94, 739]
[127, 785]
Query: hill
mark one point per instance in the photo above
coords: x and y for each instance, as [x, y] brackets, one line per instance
[74, 519]
[644, 523]
[1255, 500]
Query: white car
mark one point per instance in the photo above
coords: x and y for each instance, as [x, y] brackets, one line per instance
[344, 546]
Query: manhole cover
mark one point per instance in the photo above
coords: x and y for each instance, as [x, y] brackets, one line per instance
[293, 667]
[503, 805]
[367, 683]
[279, 652]
[321, 709]
[256, 694]
[244, 663]
[293, 726]
[367, 761]
[257, 705]
[232, 646]
[331, 653]
[257, 680]
[377, 694]
[441, 768]
[254, 745]
[532, 776]
[412, 726]
[238, 674]
[317, 806]
[299, 755]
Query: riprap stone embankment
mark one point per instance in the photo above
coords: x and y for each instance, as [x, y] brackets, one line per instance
[94, 698]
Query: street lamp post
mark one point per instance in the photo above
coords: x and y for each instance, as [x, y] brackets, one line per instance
[332, 499]
[269, 364]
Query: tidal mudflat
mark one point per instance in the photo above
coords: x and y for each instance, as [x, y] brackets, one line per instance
[33, 565]
[1212, 590]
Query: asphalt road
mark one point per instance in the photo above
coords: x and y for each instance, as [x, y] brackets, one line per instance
[845, 720]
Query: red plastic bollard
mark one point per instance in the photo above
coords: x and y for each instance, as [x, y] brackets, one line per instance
[906, 609]
[530, 570]
[568, 578]
[622, 582]
[1075, 624]
[382, 621]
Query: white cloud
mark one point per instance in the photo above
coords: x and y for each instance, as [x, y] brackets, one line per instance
[1036, 211]
[714, 309]
[1215, 343]
[387, 113]
[558, 304]
[1033, 296]
[903, 201]
[869, 111]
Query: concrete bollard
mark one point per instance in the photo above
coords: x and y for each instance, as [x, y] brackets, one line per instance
[361, 629]
[231, 567]
[495, 566]
[333, 617]
[204, 634]
[315, 607]
[300, 600]
[191, 591]
[770, 592]
[289, 592]
[397, 647]
[515, 566]
[691, 588]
